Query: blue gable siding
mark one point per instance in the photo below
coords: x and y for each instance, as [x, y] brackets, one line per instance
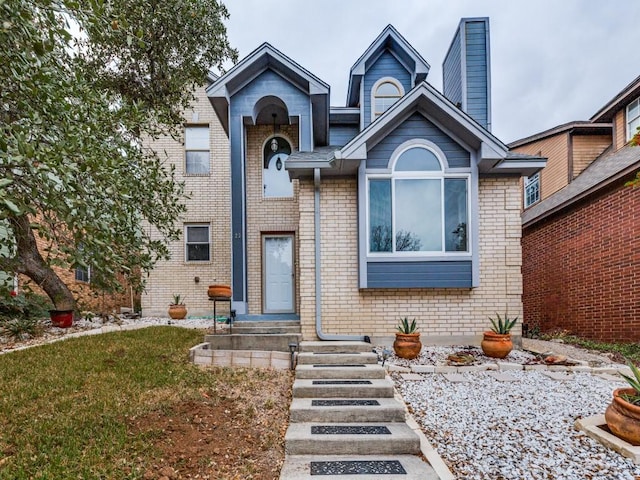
[342, 134]
[452, 72]
[477, 72]
[385, 66]
[454, 274]
[241, 105]
[417, 126]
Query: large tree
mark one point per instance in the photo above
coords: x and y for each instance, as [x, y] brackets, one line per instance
[86, 84]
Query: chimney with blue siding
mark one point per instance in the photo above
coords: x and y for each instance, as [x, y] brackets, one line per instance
[466, 70]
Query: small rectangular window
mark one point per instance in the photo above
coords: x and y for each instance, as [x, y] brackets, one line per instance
[633, 118]
[531, 190]
[196, 144]
[83, 274]
[197, 243]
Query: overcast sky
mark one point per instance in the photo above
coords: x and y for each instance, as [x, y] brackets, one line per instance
[552, 61]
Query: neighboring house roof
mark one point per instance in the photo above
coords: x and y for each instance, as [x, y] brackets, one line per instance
[628, 94]
[579, 127]
[607, 168]
[495, 156]
[263, 58]
[403, 51]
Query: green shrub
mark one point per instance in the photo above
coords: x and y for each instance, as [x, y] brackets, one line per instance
[23, 305]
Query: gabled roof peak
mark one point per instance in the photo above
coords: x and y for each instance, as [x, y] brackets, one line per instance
[392, 40]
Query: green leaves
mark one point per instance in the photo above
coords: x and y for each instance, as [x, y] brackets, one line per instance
[407, 327]
[502, 326]
[73, 126]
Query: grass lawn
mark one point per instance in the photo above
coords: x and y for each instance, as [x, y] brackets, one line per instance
[130, 405]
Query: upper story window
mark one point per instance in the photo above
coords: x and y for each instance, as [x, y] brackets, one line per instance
[197, 243]
[385, 92]
[83, 274]
[275, 178]
[633, 118]
[531, 190]
[419, 207]
[196, 145]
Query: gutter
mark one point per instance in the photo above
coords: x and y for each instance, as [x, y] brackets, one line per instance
[318, 257]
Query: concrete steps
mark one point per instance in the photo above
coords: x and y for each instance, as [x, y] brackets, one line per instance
[342, 410]
[388, 439]
[345, 421]
[299, 467]
[358, 358]
[342, 388]
[351, 371]
[271, 335]
[335, 347]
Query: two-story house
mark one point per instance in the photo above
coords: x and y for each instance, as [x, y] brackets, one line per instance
[399, 203]
[581, 235]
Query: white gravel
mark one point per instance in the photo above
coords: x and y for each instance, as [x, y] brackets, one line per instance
[486, 429]
[83, 326]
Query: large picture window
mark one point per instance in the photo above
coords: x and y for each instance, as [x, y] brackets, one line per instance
[418, 208]
[197, 243]
[196, 144]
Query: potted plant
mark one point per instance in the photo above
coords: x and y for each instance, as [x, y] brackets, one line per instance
[177, 309]
[407, 343]
[497, 342]
[623, 413]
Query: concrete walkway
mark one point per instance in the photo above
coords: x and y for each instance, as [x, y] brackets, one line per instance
[346, 420]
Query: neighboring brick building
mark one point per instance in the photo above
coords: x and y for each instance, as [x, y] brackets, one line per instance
[400, 203]
[581, 232]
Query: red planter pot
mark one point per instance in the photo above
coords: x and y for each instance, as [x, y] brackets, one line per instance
[496, 345]
[407, 345]
[623, 418]
[219, 291]
[61, 318]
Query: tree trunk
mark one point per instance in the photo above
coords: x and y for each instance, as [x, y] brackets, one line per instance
[31, 264]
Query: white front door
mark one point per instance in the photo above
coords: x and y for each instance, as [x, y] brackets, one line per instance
[278, 274]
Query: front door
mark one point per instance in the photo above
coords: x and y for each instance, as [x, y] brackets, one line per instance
[278, 274]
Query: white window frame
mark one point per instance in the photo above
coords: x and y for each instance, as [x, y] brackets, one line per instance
[187, 243]
[531, 183]
[374, 90]
[187, 149]
[442, 175]
[80, 269]
[634, 122]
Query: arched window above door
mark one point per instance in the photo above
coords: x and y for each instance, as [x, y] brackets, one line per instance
[275, 178]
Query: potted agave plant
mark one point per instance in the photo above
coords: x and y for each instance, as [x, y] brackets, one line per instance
[497, 342]
[177, 309]
[407, 343]
[623, 413]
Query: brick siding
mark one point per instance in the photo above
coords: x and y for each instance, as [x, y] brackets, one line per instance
[581, 268]
[441, 313]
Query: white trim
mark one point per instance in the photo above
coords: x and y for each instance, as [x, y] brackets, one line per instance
[395, 82]
[441, 175]
[630, 134]
[186, 226]
[419, 142]
[532, 181]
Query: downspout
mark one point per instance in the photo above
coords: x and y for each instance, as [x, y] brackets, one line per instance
[318, 257]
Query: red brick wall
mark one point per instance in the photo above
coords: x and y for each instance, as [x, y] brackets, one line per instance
[581, 268]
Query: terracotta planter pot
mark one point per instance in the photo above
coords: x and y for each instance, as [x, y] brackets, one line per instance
[177, 312]
[61, 318]
[623, 418]
[407, 345]
[496, 345]
[219, 291]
